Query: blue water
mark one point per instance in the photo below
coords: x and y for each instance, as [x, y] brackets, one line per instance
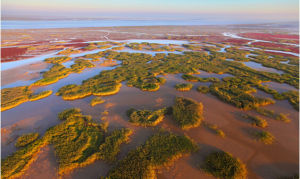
[40, 24]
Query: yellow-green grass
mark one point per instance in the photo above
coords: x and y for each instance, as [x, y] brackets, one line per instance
[272, 114]
[73, 92]
[105, 46]
[184, 86]
[224, 165]
[41, 95]
[72, 112]
[26, 139]
[77, 140]
[108, 89]
[97, 100]
[203, 89]
[55, 73]
[187, 112]
[80, 64]
[136, 71]
[68, 51]
[215, 129]
[57, 60]
[16, 164]
[150, 87]
[146, 117]
[258, 121]
[12, 97]
[118, 48]
[159, 150]
[265, 137]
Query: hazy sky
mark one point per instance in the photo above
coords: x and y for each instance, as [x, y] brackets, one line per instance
[239, 9]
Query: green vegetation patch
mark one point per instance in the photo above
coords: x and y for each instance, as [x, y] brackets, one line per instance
[237, 92]
[80, 64]
[159, 150]
[258, 121]
[97, 100]
[68, 51]
[26, 139]
[77, 140]
[187, 112]
[224, 165]
[12, 97]
[291, 96]
[51, 76]
[146, 117]
[64, 115]
[184, 86]
[57, 60]
[72, 92]
[215, 129]
[141, 70]
[265, 137]
[272, 114]
[192, 78]
[16, 164]
[203, 89]
[40, 95]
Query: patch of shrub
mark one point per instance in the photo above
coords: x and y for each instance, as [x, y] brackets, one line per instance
[224, 165]
[187, 112]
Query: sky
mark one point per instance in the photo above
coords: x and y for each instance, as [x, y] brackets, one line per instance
[283, 10]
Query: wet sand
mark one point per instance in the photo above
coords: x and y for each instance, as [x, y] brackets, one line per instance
[24, 73]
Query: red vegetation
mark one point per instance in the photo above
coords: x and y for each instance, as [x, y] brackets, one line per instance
[236, 41]
[272, 37]
[11, 53]
[276, 46]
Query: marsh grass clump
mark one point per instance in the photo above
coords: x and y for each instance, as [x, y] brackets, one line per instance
[159, 150]
[40, 95]
[224, 165]
[237, 91]
[80, 64]
[68, 113]
[146, 117]
[146, 83]
[57, 60]
[97, 100]
[184, 86]
[282, 117]
[77, 140]
[68, 51]
[136, 71]
[265, 137]
[187, 112]
[203, 89]
[12, 97]
[55, 73]
[192, 78]
[16, 164]
[258, 121]
[26, 139]
[272, 114]
[111, 146]
[59, 71]
[215, 129]
[118, 48]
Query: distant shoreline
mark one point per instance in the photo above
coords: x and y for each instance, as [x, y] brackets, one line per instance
[75, 23]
